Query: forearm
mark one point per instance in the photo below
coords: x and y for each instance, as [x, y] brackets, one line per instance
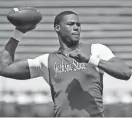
[7, 54]
[8, 68]
[116, 69]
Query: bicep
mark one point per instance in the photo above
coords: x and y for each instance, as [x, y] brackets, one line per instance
[27, 69]
[17, 70]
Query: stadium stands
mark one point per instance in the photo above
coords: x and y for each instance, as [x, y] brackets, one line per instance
[103, 21]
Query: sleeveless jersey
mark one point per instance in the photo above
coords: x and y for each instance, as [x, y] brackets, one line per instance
[76, 87]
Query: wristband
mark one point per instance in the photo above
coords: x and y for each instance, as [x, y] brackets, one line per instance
[17, 35]
[94, 60]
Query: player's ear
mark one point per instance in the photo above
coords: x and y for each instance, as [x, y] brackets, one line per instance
[57, 28]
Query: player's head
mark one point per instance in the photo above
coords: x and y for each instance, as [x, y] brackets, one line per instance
[67, 26]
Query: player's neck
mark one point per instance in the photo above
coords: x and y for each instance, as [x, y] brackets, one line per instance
[69, 47]
[66, 49]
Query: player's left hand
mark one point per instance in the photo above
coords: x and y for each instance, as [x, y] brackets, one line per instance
[79, 56]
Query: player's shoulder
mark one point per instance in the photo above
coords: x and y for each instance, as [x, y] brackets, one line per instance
[100, 48]
[43, 57]
[99, 45]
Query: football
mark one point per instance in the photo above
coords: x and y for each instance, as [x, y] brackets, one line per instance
[24, 17]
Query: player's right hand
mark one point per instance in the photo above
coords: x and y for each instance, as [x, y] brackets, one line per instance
[23, 30]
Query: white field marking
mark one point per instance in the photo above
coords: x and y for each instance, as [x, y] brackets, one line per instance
[15, 9]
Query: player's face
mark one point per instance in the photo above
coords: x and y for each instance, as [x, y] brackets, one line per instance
[70, 29]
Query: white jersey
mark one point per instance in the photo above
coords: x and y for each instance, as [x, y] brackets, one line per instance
[39, 66]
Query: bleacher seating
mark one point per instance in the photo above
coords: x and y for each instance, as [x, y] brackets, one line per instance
[103, 21]
[107, 22]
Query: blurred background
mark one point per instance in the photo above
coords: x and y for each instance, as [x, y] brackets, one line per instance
[103, 21]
